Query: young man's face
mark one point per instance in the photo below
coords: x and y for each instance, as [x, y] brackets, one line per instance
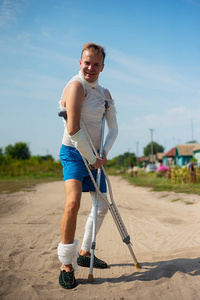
[91, 65]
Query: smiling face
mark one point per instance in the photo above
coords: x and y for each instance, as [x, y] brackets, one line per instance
[91, 65]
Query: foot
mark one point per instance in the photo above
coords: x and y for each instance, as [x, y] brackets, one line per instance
[67, 279]
[84, 261]
[84, 253]
[67, 268]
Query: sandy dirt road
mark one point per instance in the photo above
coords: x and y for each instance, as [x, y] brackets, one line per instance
[164, 229]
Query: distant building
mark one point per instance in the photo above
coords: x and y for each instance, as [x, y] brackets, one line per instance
[169, 157]
[184, 153]
[159, 157]
[144, 160]
[179, 155]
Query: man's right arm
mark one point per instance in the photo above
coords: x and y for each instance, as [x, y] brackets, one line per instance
[72, 99]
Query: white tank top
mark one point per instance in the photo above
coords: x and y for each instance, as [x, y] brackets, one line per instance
[92, 110]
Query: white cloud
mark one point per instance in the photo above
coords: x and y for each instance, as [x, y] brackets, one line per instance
[137, 71]
[169, 128]
[178, 110]
[9, 12]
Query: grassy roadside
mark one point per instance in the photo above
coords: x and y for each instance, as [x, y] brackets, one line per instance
[27, 183]
[19, 174]
[161, 183]
[24, 183]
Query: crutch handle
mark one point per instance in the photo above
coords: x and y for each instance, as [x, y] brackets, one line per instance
[91, 167]
[106, 105]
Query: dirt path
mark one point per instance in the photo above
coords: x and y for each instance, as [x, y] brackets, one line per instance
[164, 229]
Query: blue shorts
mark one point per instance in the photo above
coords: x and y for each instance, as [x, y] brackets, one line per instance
[74, 168]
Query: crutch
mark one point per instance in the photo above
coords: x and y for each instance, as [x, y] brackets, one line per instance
[112, 206]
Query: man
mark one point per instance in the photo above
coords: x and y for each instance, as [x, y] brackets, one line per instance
[83, 96]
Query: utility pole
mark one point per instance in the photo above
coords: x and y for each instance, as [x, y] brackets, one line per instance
[152, 159]
[137, 146]
[192, 130]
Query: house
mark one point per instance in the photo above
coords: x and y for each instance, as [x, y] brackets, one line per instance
[151, 159]
[159, 157]
[184, 153]
[144, 160]
[169, 157]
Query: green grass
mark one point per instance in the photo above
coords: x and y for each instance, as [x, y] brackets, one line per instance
[161, 183]
[16, 175]
[176, 200]
[25, 183]
[11, 184]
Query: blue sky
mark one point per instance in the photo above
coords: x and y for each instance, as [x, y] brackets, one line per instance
[152, 68]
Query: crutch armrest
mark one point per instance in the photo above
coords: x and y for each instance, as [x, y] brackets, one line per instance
[63, 114]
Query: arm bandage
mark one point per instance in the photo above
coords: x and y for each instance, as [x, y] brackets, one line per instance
[82, 145]
[112, 131]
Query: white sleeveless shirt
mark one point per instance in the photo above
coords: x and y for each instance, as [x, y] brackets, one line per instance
[92, 110]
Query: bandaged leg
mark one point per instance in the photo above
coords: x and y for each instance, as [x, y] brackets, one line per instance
[101, 212]
[68, 253]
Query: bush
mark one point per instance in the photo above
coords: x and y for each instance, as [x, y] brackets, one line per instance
[18, 151]
[35, 166]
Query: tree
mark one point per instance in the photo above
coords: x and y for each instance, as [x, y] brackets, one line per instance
[192, 142]
[1, 155]
[156, 148]
[126, 160]
[18, 151]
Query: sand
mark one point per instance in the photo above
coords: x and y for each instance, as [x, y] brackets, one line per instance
[164, 229]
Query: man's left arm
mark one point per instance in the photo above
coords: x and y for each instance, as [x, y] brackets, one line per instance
[111, 121]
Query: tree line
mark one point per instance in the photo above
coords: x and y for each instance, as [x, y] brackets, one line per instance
[129, 159]
[19, 151]
[16, 160]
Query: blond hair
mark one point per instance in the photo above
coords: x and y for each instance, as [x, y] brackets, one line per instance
[94, 48]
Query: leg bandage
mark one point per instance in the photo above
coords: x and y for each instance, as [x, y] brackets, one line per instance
[101, 212]
[67, 253]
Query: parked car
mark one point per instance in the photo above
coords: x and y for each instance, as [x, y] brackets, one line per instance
[150, 168]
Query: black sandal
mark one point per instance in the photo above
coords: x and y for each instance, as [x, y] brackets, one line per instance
[67, 279]
[84, 261]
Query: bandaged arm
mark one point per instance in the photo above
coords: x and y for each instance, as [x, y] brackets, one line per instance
[82, 145]
[112, 130]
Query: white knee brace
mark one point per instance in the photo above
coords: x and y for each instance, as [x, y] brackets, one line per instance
[102, 206]
[101, 212]
[67, 253]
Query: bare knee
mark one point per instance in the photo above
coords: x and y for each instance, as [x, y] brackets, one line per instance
[72, 206]
[73, 190]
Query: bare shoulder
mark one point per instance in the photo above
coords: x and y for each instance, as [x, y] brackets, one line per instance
[74, 86]
[72, 91]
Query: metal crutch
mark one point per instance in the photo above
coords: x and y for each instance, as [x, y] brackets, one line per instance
[112, 206]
